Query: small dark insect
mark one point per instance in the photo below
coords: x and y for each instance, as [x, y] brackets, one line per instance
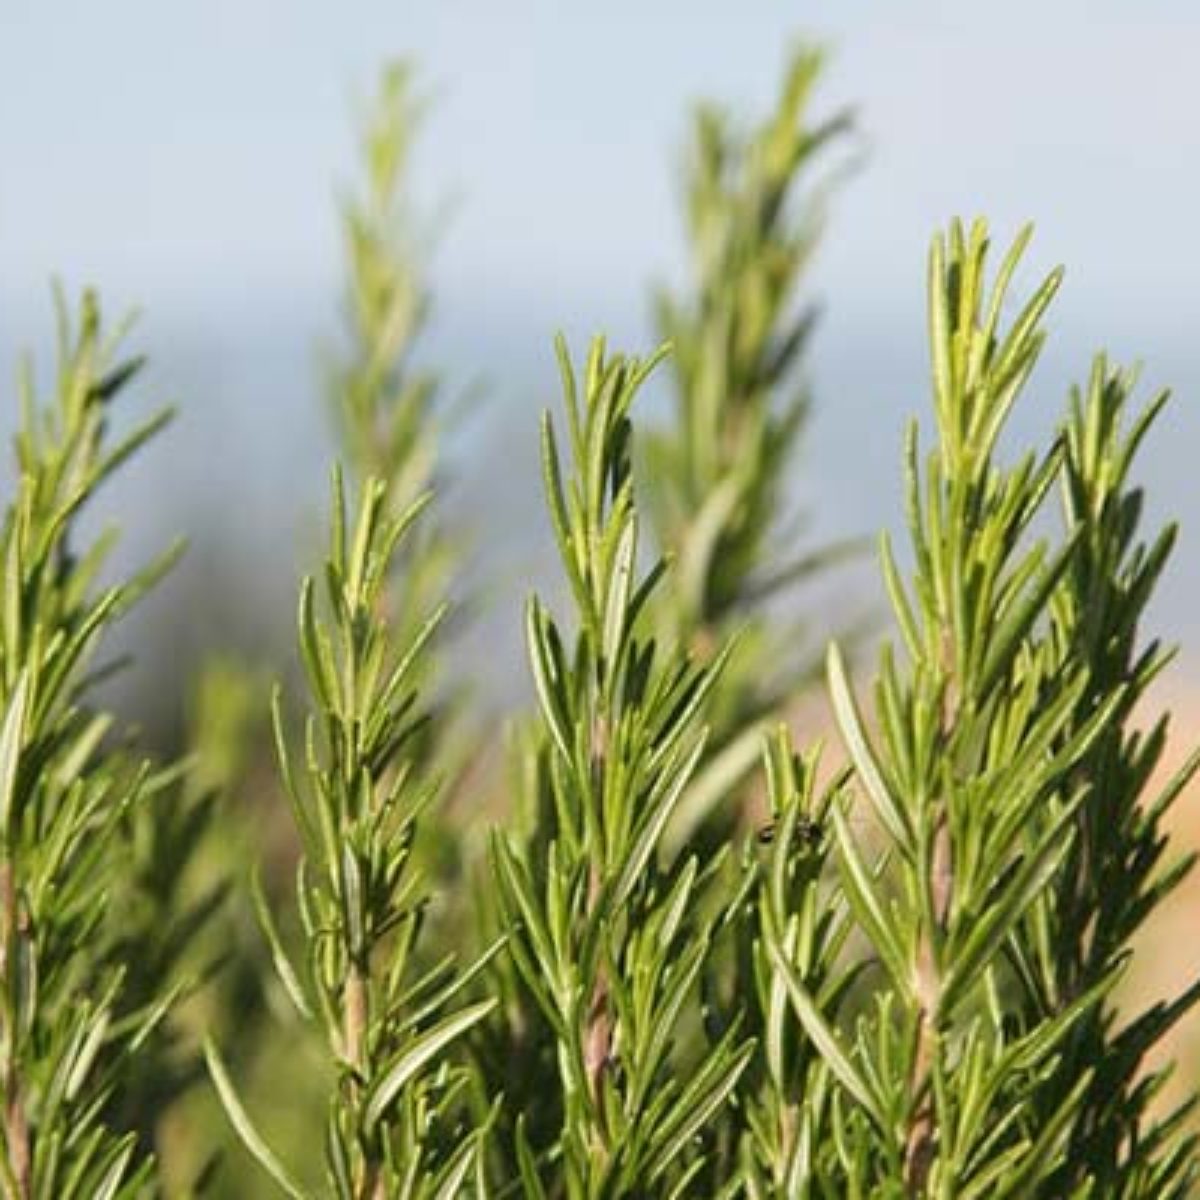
[807, 831]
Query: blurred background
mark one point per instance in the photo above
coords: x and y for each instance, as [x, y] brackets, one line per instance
[188, 158]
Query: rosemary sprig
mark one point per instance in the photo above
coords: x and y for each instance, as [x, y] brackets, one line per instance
[72, 1023]
[396, 1123]
[607, 932]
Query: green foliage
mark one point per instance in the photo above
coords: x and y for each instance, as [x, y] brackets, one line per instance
[717, 477]
[391, 416]
[74, 1014]
[1116, 872]
[903, 984]
[196, 924]
[1017, 858]
[394, 1126]
[604, 930]
[388, 409]
[382, 404]
[800, 938]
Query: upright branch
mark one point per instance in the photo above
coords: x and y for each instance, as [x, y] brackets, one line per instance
[391, 414]
[387, 407]
[1077, 938]
[607, 933]
[719, 476]
[382, 403]
[979, 777]
[69, 1024]
[799, 951]
[395, 1117]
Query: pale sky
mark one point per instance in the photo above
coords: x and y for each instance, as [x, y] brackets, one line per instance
[184, 156]
[185, 152]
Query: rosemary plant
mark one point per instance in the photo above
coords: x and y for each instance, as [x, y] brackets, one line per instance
[387, 408]
[790, 1088]
[381, 407]
[169, 907]
[71, 1024]
[195, 925]
[391, 415]
[1016, 858]
[904, 986]
[716, 477]
[1118, 1142]
[395, 1128]
[608, 936]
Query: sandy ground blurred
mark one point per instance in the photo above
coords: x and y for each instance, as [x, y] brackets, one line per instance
[1167, 955]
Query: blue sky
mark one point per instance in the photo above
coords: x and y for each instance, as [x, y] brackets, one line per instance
[184, 152]
[185, 157]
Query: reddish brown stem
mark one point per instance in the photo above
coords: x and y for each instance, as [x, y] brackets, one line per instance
[16, 1126]
[354, 1031]
[922, 1131]
[597, 1040]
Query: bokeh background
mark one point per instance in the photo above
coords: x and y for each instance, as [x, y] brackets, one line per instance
[187, 159]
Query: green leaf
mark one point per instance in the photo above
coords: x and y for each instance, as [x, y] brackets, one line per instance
[114, 1177]
[526, 1163]
[716, 778]
[423, 1049]
[710, 1089]
[548, 675]
[851, 726]
[824, 1037]
[868, 906]
[617, 602]
[243, 1126]
[12, 733]
[450, 1183]
[283, 965]
[650, 834]
[995, 923]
